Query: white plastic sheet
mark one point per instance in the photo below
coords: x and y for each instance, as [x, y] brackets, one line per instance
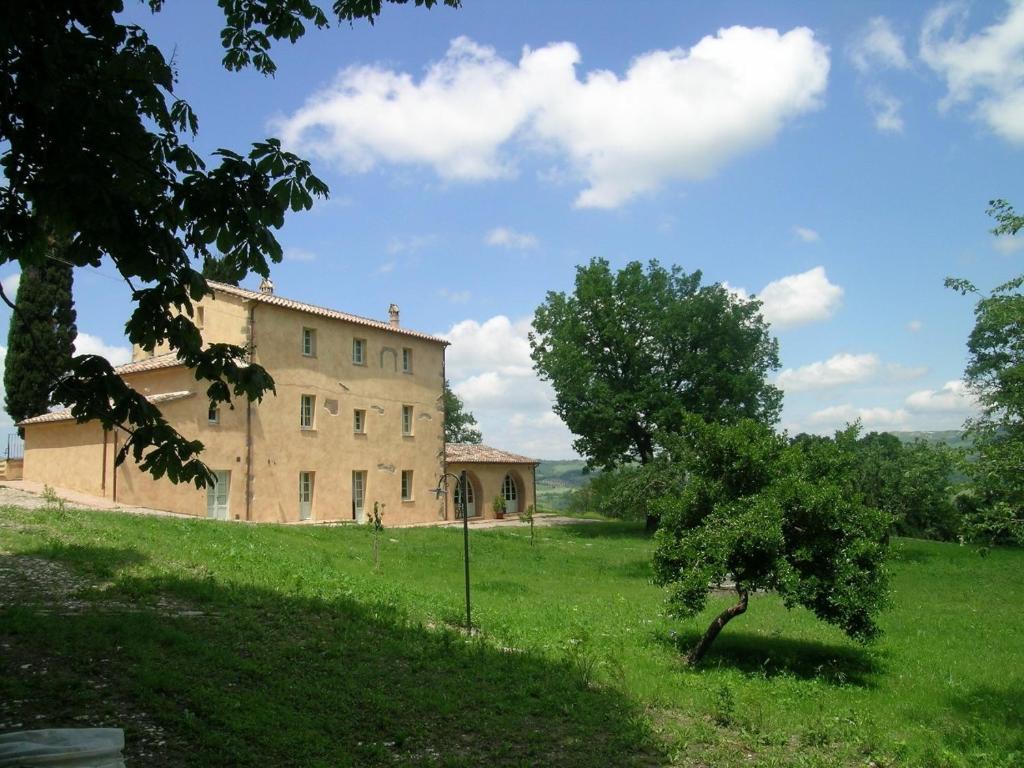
[64, 747]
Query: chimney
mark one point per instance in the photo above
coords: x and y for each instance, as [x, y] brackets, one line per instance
[267, 286]
[393, 314]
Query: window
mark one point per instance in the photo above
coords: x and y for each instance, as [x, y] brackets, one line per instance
[213, 415]
[406, 360]
[305, 495]
[309, 342]
[200, 316]
[406, 419]
[359, 351]
[359, 422]
[406, 485]
[306, 412]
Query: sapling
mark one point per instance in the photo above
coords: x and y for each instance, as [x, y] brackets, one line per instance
[526, 516]
[377, 521]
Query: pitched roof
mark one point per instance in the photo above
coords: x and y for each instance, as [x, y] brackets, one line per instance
[65, 415]
[166, 360]
[469, 453]
[300, 306]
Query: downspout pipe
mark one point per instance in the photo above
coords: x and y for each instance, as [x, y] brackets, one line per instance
[248, 417]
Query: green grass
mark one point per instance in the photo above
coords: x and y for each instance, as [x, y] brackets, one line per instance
[225, 644]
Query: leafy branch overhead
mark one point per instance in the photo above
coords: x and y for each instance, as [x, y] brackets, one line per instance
[96, 155]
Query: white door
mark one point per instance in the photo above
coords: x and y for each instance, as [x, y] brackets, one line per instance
[217, 495]
[470, 500]
[508, 490]
[358, 495]
[305, 495]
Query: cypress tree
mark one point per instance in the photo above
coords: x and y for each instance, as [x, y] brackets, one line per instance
[41, 338]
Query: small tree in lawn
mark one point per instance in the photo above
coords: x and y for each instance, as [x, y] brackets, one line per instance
[377, 523]
[771, 517]
[526, 516]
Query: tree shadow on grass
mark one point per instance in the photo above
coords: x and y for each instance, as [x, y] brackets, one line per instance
[904, 551]
[766, 656]
[100, 562]
[257, 677]
[986, 717]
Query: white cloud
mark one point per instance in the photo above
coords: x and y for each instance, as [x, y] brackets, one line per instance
[985, 70]
[87, 344]
[914, 326]
[878, 47]
[872, 418]
[386, 268]
[674, 114]
[1008, 244]
[806, 234]
[490, 368]
[455, 297]
[504, 237]
[886, 110]
[954, 397]
[298, 254]
[410, 244]
[10, 285]
[800, 299]
[844, 369]
[837, 370]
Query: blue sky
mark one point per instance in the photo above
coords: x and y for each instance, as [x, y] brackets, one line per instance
[833, 158]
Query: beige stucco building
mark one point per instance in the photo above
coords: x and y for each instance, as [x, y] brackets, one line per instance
[357, 419]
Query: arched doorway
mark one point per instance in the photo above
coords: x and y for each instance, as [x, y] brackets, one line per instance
[510, 492]
[471, 505]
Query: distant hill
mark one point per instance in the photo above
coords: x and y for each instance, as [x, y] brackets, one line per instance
[556, 480]
[954, 438]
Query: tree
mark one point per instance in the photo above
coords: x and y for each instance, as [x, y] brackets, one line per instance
[458, 422]
[219, 271]
[95, 153]
[41, 337]
[771, 516]
[995, 374]
[629, 354]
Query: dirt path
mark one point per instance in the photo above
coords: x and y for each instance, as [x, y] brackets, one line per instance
[29, 495]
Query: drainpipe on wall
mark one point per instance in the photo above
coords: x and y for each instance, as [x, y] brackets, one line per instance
[248, 418]
[444, 447]
[535, 507]
[103, 468]
[113, 468]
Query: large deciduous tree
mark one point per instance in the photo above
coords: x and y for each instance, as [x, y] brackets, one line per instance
[995, 374]
[41, 337]
[767, 515]
[630, 353]
[95, 154]
[459, 424]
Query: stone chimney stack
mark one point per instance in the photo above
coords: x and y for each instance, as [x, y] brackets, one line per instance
[393, 314]
[267, 286]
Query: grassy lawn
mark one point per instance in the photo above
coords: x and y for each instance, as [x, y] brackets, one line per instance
[226, 644]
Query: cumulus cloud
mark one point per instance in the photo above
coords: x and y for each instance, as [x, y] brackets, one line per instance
[886, 110]
[984, 70]
[878, 46]
[954, 397]
[806, 234]
[837, 370]
[504, 237]
[870, 418]
[490, 368]
[10, 285]
[844, 369]
[87, 344]
[800, 299]
[674, 114]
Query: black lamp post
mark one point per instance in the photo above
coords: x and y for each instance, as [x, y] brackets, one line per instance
[442, 489]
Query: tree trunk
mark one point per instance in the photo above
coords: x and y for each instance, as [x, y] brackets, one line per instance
[651, 524]
[694, 656]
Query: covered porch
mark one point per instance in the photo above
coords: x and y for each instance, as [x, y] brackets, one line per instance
[491, 475]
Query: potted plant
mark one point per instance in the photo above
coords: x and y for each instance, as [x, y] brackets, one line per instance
[499, 507]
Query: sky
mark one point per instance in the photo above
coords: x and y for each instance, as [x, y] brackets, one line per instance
[833, 159]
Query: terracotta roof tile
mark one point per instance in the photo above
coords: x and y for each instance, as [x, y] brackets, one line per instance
[65, 415]
[281, 301]
[166, 360]
[468, 453]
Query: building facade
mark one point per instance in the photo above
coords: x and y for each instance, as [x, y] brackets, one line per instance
[357, 419]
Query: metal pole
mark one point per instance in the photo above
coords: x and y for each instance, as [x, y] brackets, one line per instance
[465, 540]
